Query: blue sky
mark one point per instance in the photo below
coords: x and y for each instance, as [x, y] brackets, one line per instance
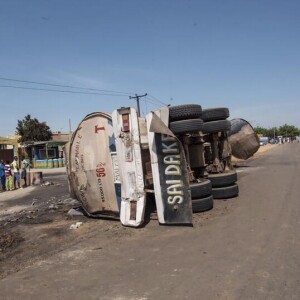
[244, 55]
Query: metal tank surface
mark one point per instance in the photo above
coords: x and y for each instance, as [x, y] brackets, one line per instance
[93, 170]
[242, 138]
[68, 169]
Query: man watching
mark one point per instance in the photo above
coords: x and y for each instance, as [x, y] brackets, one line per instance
[15, 168]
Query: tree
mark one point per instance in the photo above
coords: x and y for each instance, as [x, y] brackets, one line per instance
[288, 130]
[284, 130]
[261, 130]
[32, 130]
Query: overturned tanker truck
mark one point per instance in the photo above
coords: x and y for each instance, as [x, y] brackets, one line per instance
[180, 154]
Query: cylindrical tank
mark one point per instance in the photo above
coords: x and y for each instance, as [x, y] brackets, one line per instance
[38, 163]
[68, 169]
[242, 138]
[55, 163]
[45, 163]
[60, 164]
[50, 163]
[41, 163]
[92, 168]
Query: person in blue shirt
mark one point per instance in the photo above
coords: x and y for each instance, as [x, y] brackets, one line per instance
[2, 175]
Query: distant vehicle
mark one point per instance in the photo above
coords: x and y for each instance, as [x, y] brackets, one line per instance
[273, 141]
[263, 140]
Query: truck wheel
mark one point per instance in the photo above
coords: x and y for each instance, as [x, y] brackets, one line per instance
[186, 126]
[183, 112]
[200, 189]
[214, 114]
[216, 126]
[203, 204]
[225, 192]
[223, 179]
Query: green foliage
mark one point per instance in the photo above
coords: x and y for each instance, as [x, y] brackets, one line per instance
[284, 130]
[261, 130]
[32, 130]
[288, 130]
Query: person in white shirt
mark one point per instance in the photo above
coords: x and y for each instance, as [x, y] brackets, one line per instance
[15, 169]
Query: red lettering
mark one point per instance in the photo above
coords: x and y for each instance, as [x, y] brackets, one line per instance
[100, 172]
[98, 128]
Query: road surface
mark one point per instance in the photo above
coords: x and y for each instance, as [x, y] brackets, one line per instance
[250, 249]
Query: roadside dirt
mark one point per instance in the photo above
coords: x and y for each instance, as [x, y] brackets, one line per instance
[262, 150]
[35, 224]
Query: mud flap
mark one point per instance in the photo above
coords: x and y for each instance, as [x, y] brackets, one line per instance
[169, 171]
[126, 130]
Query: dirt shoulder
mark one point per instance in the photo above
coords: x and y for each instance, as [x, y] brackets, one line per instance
[35, 224]
[265, 148]
[261, 151]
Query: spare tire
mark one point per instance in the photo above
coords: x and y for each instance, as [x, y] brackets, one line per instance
[214, 114]
[200, 189]
[186, 126]
[203, 204]
[223, 179]
[225, 192]
[183, 112]
[216, 126]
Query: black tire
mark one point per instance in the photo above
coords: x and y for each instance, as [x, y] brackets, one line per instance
[186, 126]
[216, 126]
[183, 112]
[201, 189]
[214, 114]
[203, 204]
[225, 192]
[223, 179]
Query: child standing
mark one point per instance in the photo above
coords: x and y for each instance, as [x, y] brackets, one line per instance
[8, 176]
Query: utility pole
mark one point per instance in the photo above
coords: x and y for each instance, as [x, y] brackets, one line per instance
[137, 97]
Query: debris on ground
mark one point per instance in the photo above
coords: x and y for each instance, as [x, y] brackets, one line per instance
[53, 206]
[75, 212]
[47, 183]
[71, 201]
[76, 226]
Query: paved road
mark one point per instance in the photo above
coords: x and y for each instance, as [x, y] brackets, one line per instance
[250, 252]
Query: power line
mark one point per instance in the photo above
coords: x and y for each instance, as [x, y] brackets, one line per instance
[60, 85]
[60, 91]
[71, 86]
[147, 102]
[151, 101]
[157, 100]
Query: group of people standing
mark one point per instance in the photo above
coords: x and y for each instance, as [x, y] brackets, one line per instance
[10, 174]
